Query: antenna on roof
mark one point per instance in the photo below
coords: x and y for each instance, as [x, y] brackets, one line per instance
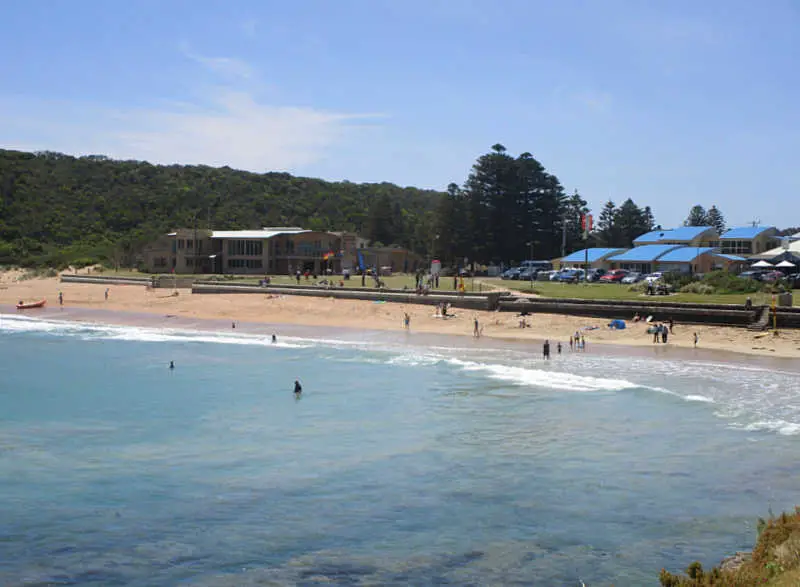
[756, 222]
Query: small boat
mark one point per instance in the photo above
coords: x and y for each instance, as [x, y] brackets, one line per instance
[30, 305]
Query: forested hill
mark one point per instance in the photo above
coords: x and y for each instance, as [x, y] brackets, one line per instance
[56, 209]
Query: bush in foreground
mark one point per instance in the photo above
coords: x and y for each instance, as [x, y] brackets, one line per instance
[776, 555]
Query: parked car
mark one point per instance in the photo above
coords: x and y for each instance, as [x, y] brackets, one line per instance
[544, 275]
[595, 274]
[772, 276]
[615, 276]
[755, 274]
[793, 280]
[554, 276]
[512, 273]
[527, 274]
[633, 277]
[571, 275]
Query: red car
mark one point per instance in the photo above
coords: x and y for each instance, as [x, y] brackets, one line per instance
[615, 276]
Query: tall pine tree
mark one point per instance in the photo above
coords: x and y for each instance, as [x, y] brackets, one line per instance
[697, 217]
[715, 218]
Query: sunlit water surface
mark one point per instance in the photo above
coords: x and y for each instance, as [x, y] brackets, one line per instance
[400, 465]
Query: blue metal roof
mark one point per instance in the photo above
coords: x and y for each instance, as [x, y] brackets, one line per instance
[683, 233]
[643, 254]
[652, 236]
[745, 232]
[730, 257]
[594, 254]
[684, 254]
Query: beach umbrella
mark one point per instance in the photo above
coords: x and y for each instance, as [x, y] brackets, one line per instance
[785, 264]
[762, 263]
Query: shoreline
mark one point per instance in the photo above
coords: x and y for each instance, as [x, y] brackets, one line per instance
[423, 339]
[128, 303]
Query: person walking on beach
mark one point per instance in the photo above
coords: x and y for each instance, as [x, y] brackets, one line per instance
[406, 321]
[546, 350]
[696, 339]
[571, 343]
[664, 334]
[476, 331]
[60, 298]
[671, 325]
[106, 294]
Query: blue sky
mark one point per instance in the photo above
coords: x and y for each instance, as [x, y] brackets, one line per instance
[672, 104]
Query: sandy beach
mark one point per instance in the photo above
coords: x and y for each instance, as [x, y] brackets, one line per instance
[327, 312]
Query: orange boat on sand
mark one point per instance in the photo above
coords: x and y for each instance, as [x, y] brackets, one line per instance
[30, 305]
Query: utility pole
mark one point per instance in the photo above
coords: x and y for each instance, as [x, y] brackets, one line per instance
[564, 236]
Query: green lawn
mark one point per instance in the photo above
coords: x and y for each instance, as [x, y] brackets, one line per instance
[614, 291]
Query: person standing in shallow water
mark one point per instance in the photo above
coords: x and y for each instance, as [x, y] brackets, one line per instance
[546, 350]
[558, 347]
[298, 389]
[476, 331]
[172, 365]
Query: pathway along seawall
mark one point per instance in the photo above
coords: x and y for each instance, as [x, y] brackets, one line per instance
[487, 301]
[721, 314]
[106, 279]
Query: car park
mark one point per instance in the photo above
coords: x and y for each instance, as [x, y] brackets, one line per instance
[615, 276]
[633, 277]
[595, 274]
[512, 273]
[752, 274]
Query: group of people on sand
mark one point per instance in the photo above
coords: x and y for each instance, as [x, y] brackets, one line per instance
[441, 310]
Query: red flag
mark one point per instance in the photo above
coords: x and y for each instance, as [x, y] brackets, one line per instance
[591, 219]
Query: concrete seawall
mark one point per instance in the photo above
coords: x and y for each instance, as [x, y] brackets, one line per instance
[722, 314]
[474, 302]
[106, 279]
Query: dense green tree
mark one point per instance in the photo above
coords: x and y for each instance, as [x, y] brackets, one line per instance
[617, 227]
[511, 203]
[715, 218]
[574, 208]
[631, 222]
[697, 217]
[55, 209]
[607, 232]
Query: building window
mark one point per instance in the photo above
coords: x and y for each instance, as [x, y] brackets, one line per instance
[737, 247]
[180, 243]
[189, 262]
[189, 244]
[245, 264]
[245, 248]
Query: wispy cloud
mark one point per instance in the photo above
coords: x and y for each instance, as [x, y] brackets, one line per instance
[230, 67]
[229, 125]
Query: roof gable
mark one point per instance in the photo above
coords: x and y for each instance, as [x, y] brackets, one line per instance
[643, 254]
[745, 232]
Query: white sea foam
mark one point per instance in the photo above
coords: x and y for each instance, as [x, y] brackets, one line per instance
[543, 377]
[699, 398]
[779, 426]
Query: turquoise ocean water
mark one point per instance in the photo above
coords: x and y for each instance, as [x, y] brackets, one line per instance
[460, 463]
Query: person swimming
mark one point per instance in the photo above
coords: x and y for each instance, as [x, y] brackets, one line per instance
[274, 338]
[298, 389]
[171, 364]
